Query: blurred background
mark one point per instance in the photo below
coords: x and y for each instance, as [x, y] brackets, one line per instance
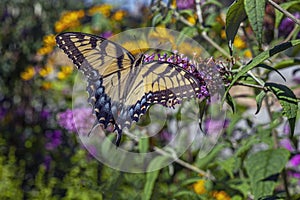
[40, 156]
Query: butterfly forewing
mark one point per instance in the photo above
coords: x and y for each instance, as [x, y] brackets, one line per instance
[103, 55]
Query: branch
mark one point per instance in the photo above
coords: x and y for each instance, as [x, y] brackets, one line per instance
[176, 159]
[285, 12]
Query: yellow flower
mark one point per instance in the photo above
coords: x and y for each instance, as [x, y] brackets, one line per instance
[239, 43]
[45, 50]
[49, 40]
[248, 54]
[223, 34]
[46, 85]
[199, 187]
[119, 15]
[67, 69]
[220, 195]
[65, 72]
[173, 4]
[220, 19]
[192, 20]
[46, 71]
[103, 9]
[28, 73]
[69, 19]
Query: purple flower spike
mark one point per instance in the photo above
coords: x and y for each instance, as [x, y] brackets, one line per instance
[106, 34]
[209, 73]
[286, 143]
[287, 25]
[78, 119]
[295, 161]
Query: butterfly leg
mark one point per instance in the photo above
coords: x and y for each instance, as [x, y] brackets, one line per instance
[119, 135]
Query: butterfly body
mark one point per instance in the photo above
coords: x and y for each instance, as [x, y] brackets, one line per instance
[121, 87]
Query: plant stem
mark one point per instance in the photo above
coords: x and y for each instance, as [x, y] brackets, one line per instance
[285, 183]
[276, 145]
[285, 12]
[251, 85]
[176, 159]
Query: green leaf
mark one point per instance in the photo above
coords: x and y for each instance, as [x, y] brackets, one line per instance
[167, 19]
[262, 165]
[235, 15]
[271, 69]
[151, 176]
[287, 63]
[229, 165]
[287, 100]
[202, 162]
[186, 32]
[143, 145]
[246, 145]
[157, 19]
[231, 102]
[259, 59]
[185, 193]
[279, 15]
[190, 181]
[255, 10]
[259, 99]
[242, 186]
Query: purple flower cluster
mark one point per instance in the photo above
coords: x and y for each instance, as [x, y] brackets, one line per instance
[185, 4]
[45, 114]
[78, 119]
[47, 162]
[106, 34]
[54, 139]
[294, 162]
[209, 74]
[3, 112]
[212, 126]
[287, 25]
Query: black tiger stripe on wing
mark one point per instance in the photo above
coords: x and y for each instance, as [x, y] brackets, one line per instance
[103, 55]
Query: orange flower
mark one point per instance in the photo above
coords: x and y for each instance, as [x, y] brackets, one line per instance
[119, 15]
[103, 9]
[220, 195]
[49, 43]
[28, 73]
[49, 40]
[239, 43]
[46, 85]
[46, 71]
[223, 34]
[199, 187]
[44, 50]
[192, 20]
[69, 19]
[248, 54]
[65, 72]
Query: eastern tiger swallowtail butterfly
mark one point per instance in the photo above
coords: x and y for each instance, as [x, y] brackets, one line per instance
[121, 87]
